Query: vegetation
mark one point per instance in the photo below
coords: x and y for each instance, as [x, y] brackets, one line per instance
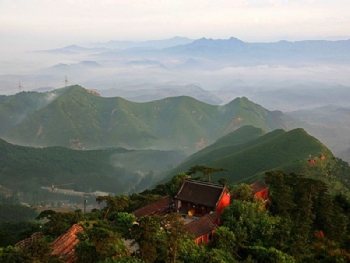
[26, 169]
[246, 160]
[16, 221]
[302, 222]
[172, 123]
[306, 219]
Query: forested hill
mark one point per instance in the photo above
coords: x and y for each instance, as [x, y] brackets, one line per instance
[114, 170]
[249, 152]
[80, 119]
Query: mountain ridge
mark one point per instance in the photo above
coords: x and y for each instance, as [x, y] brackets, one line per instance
[81, 120]
[248, 159]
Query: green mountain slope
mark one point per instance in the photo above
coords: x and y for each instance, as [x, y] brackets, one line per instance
[114, 170]
[82, 120]
[331, 124]
[15, 109]
[248, 159]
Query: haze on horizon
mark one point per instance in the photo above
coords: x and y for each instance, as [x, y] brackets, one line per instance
[44, 24]
[50, 24]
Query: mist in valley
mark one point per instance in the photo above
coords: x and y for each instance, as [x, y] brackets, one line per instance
[214, 71]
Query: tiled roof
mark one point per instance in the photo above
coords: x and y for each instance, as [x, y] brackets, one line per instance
[154, 207]
[214, 216]
[200, 193]
[258, 186]
[64, 244]
[201, 226]
[25, 243]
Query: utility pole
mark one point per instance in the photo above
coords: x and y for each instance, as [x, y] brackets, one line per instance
[85, 201]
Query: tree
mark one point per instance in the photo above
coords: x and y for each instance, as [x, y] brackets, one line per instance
[262, 254]
[250, 223]
[205, 170]
[59, 222]
[243, 192]
[125, 222]
[98, 242]
[150, 238]
[174, 184]
[189, 251]
[126, 259]
[174, 228]
[114, 204]
[219, 256]
[13, 255]
[225, 239]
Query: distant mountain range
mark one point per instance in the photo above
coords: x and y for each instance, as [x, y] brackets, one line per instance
[153, 44]
[146, 94]
[230, 52]
[80, 119]
[236, 49]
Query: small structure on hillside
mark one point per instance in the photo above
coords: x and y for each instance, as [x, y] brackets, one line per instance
[162, 206]
[201, 198]
[260, 190]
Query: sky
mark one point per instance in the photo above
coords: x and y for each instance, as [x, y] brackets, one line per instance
[44, 24]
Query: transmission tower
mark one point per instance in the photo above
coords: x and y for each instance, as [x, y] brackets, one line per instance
[20, 87]
[65, 81]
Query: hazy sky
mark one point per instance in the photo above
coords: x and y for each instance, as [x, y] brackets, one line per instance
[37, 24]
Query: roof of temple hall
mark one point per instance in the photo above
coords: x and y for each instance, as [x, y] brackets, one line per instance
[154, 207]
[258, 186]
[201, 193]
[203, 225]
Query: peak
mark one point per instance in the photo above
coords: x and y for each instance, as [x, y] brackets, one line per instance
[240, 100]
[210, 40]
[235, 39]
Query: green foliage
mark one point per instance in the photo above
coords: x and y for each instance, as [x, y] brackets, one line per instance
[12, 232]
[262, 254]
[306, 207]
[161, 238]
[218, 256]
[113, 170]
[16, 213]
[171, 123]
[37, 251]
[173, 186]
[125, 222]
[301, 222]
[59, 222]
[247, 160]
[13, 255]
[243, 192]
[250, 223]
[113, 204]
[189, 251]
[98, 242]
[205, 170]
[150, 238]
[126, 259]
[225, 240]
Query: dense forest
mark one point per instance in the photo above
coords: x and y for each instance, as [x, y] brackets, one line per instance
[301, 222]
